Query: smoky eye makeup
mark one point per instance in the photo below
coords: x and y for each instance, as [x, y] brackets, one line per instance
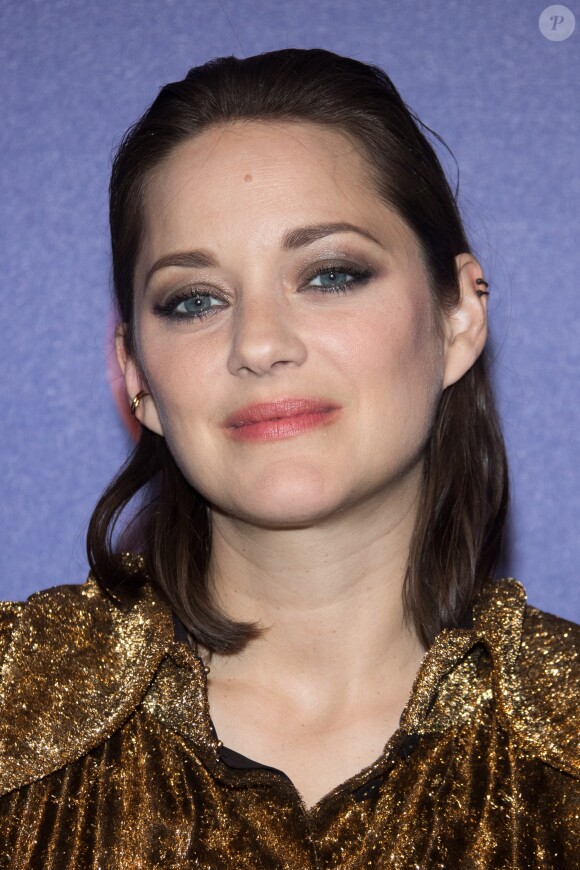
[190, 303]
[337, 277]
[326, 275]
[166, 293]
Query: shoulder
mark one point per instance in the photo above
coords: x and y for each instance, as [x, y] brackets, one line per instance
[71, 655]
[537, 673]
[9, 613]
[549, 679]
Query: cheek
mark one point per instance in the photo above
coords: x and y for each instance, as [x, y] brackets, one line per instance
[180, 371]
[404, 376]
[395, 352]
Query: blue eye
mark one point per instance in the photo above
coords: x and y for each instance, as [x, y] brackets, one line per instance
[198, 303]
[190, 305]
[339, 279]
[193, 304]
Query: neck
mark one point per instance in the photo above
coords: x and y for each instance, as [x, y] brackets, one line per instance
[329, 596]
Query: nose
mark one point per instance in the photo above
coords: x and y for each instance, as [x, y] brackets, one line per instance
[265, 338]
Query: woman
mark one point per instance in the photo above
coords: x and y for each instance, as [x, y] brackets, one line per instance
[305, 663]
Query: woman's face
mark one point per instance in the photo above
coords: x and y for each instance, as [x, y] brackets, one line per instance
[247, 291]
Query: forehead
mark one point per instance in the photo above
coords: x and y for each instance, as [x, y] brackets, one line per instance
[267, 147]
[257, 179]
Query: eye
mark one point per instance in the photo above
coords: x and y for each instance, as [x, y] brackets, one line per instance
[190, 305]
[338, 278]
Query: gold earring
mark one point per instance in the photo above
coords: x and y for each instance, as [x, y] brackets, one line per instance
[136, 400]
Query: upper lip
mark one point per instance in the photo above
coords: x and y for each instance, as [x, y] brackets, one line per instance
[277, 409]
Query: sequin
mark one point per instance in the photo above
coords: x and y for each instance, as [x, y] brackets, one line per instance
[108, 759]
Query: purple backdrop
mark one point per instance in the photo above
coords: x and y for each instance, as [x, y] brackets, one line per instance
[75, 74]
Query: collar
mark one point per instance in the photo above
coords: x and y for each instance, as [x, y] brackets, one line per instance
[497, 622]
[81, 665]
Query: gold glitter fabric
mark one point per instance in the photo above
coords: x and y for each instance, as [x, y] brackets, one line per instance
[109, 760]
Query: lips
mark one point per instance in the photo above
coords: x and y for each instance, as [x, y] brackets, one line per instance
[278, 410]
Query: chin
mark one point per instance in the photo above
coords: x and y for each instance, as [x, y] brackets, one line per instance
[298, 504]
[284, 519]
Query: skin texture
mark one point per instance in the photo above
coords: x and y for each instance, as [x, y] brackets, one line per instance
[311, 532]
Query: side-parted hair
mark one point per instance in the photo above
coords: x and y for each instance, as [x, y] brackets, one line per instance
[458, 533]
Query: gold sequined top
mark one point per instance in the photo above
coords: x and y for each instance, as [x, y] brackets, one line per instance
[109, 759]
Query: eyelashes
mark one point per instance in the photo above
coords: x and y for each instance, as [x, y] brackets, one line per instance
[194, 303]
[358, 277]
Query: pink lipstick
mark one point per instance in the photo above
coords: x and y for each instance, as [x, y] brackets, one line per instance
[283, 418]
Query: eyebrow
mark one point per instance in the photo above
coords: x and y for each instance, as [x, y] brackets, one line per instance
[301, 236]
[291, 241]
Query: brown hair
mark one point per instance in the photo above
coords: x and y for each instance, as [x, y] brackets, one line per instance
[461, 517]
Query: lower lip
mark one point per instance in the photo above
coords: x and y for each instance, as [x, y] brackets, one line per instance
[285, 427]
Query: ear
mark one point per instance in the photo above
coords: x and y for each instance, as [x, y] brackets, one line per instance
[466, 325]
[135, 382]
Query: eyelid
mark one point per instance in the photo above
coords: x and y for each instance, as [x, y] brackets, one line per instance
[335, 253]
[306, 271]
[342, 263]
[187, 289]
[170, 283]
[168, 308]
[305, 260]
